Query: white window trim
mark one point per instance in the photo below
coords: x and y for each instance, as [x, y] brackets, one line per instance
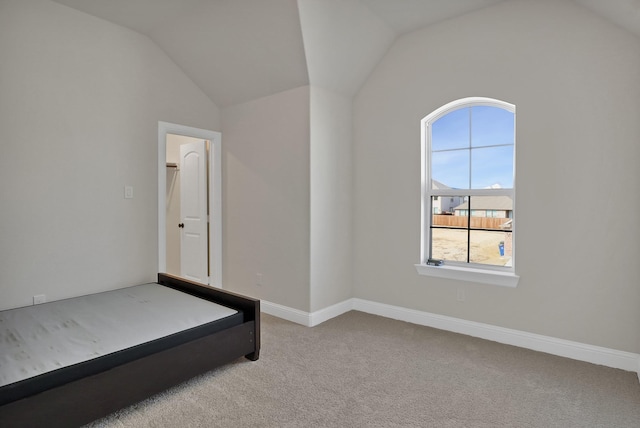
[470, 274]
[482, 274]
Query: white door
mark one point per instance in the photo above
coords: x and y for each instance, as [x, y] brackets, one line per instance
[193, 212]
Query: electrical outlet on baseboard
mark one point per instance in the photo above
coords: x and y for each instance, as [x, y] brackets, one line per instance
[39, 298]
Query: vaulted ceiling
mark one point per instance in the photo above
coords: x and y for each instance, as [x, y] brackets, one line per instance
[239, 50]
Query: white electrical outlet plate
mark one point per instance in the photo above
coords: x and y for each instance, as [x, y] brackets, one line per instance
[38, 299]
[128, 192]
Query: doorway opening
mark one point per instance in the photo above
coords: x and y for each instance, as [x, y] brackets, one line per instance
[189, 203]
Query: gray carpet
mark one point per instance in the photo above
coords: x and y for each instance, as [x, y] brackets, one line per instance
[360, 370]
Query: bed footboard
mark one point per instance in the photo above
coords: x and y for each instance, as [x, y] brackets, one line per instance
[248, 306]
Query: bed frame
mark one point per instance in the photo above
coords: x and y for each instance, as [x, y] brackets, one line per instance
[91, 397]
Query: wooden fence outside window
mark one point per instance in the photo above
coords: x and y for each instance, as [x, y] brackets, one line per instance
[476, 222]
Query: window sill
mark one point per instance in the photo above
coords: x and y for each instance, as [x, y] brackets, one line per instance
[482, 276]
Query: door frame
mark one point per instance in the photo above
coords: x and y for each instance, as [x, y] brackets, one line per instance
[214, 185]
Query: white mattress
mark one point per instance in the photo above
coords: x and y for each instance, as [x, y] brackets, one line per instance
[38, 339]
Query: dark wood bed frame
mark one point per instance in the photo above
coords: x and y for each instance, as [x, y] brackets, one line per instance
[90, 398]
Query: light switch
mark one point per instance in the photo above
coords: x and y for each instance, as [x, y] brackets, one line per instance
[128, 192]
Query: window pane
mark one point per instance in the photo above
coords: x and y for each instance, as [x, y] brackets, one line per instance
[492, 167]
[451, 131]
[491, 126]
[449, 211]
[449, 244]
[491, 212]
[450, 169]
[490, 248]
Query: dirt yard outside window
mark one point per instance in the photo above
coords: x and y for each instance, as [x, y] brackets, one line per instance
[451, 244]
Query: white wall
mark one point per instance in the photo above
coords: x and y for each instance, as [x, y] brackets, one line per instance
[574, 79]
[265, 164]
[79, 111]
[287, 198]
[331, 194]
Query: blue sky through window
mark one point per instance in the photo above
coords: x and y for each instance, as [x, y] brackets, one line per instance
[472, 148]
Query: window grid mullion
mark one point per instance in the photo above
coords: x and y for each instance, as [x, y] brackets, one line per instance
[470, 192]
[469, 232]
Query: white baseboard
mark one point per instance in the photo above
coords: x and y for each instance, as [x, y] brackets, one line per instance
[305, 318]
[286, 313]
[318, 317]
[565, 348]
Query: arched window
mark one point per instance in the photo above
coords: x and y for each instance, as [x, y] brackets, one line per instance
[468, 190]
